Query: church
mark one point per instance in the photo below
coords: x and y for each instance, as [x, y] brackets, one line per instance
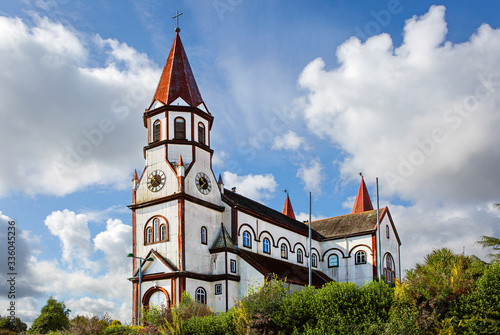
[190, 234]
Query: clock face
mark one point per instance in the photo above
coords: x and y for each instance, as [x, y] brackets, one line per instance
[156, 180]
[203, 183]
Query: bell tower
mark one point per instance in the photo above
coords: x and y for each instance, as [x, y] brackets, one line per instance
[177, 197]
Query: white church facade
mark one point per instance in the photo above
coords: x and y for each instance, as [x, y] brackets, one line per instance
[215, 243]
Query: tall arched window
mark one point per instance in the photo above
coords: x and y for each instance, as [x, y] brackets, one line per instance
[201, 133]
[389, 269]
[266, 246]
[333, 261]
[314, 260]
[360, 257]
[149, 235]
[155, 229]
[156, 131]
[284, 251]
[247, 242]
[201, 295]
[163, 232]
[300, 256]
[203, 235]
[180, 128]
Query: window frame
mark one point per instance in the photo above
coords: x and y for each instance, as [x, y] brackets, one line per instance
[387, 232]
[201, 133]
[232, 266]
[266, 244]
[179, 134]
[156, 230]
[149, 235]
[204, 235]
[284, 251]
[300, 256]
[200, 292]
[336, 257]
[218, 289]
[358, 259]
[314, 260]
[247, 239]
[163, 232]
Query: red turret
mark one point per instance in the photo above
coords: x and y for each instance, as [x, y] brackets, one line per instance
[177, 80]
[287, 208]
[363, 202]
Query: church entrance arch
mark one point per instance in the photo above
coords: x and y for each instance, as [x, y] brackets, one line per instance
[156, 296]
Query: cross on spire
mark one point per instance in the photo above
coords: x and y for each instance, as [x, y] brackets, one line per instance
[177, 29]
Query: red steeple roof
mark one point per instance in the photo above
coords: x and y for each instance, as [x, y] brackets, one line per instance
[287, 208]
[177, 79]
[363, 202]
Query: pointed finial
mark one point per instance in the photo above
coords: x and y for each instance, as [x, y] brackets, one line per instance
[177, 29]
[135, 176]
[361, 173]
[220, 180]
[180, 162]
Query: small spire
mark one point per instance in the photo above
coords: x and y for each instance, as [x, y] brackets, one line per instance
[135, 176]
[180, 162]
[287, 208]
[220, 180]
[363, 202]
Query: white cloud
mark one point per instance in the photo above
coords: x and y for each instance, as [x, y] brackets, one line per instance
[289, 141]
[305, 217]
[115, 242]
[312, 176]
[75, 124]
[424, 118]
[255, 187]
[74, 234]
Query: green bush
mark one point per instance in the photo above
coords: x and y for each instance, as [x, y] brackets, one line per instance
[53, 317]
[6, 332]
[119, 330]
[209, 325]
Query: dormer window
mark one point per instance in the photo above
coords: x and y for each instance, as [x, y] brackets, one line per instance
[201, 133]
[180, 128]
[156, 130]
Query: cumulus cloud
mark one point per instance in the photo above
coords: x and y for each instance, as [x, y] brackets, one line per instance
[255, 187]
[76, 122]
[312, 175]
[73, 232]
[289, 141]
[115, 242]
[423, 116]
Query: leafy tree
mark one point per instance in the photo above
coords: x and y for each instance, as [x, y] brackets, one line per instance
[53, 317]
[440, 280]
[491, 242]
[15, 325]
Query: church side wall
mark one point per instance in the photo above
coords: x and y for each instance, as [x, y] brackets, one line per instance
[389, 244]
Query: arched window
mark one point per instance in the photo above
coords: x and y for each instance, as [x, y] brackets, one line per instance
[284, 251]
[247, 242]
[333, 261]
[300, 256]
[180, 128]
[149, 235]
[201, 295]
[360, 257]
[156, 131]
[389, 269]
[201, 133]
[314, 260]
[387, 231]
[203, 235]
[266, 246]
[155, 228]
[163, 232]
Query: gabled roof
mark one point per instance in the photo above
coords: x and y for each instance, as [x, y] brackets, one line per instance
[363, 202]
[223, 241]
[290, 272]
[165, 261]
[177, 80]
[269, 214]
[287, 208]
[344, 225]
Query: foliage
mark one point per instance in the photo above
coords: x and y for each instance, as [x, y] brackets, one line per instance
[493, 243]
[54, 316]
[176, 327]
[403, 315]
[214, 324]
[119, 330]
[16, 325]
[479, 312]
[89, 325]
[438, 282]
[7, 332]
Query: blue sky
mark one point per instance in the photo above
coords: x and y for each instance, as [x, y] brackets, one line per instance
[305, 95]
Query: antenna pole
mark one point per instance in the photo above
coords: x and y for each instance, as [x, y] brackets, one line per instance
[379, 252]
